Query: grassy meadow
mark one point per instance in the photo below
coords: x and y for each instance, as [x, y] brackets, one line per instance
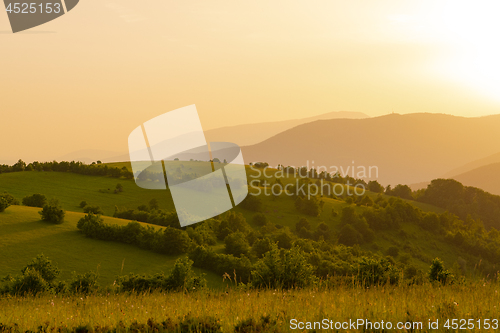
[70, 189]
[222, 306]
[235, 307]
[23, 236]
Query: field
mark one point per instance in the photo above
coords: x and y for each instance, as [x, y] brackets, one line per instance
[23, 236]
[415, 304]
[71, 189]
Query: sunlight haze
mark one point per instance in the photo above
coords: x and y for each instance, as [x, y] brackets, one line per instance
[86, 80]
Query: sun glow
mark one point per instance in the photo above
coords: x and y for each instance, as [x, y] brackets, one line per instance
[473, 28]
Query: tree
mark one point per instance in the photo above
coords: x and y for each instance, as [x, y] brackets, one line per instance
[322, 231]
[303, 223]
[83, 204]
[19, 166]
[3, 204]
[366, 201]
[261, 246]
[174, 241]
[350, 236]
[153, 204]
[252, 203]
[84, 283]
[260, 219]
[348, 216]
[236, 244]
[9, 199]
[437, 272]
[119, 187]
[35, 200]
[93, 209]
[375, 187]
[283, 269]
[43, 265]
[284, 239]
[53, 212]
[402, 191]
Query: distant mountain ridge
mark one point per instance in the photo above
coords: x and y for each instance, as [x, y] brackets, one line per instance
[407, 149]
[240, 134]
[495, 158]
[486, 178]
[249, 134]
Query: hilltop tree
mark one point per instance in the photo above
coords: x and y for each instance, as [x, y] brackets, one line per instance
[375, 187]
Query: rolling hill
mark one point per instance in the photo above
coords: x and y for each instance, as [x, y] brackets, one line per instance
[486, 178]
[405, 149]
[248, 134]
[23, 236]
[495, 158]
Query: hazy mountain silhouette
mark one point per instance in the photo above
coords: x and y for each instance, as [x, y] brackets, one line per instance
[486, 178]
[249, 134]
[495, 158]
[407, 149]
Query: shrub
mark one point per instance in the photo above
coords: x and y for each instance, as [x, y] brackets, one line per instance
[374, 271]
[30, 282]
[84, 283]
[252, 203]
[10, 199]
[284, 239]
[93, 209]
[259, 219]
[153, 204]
[438, 273]
[221, 263]
[181, 277]
[283, 269]
[52, 212]
[35, 200]
[350, 236]
[83, 204]
[44, 266]
[236, 244]
[261, 246]
[143, 208]
[309, 206]
[174, 241]
[3, 204]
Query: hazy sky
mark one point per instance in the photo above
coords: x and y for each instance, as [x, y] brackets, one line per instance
[87, 79]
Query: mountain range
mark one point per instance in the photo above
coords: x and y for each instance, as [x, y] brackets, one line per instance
[249, 134]
[405, 149]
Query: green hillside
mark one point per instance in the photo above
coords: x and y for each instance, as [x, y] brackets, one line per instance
[23, 236]
[72, 188]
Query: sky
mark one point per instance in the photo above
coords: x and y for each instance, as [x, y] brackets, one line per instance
[88, 78]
